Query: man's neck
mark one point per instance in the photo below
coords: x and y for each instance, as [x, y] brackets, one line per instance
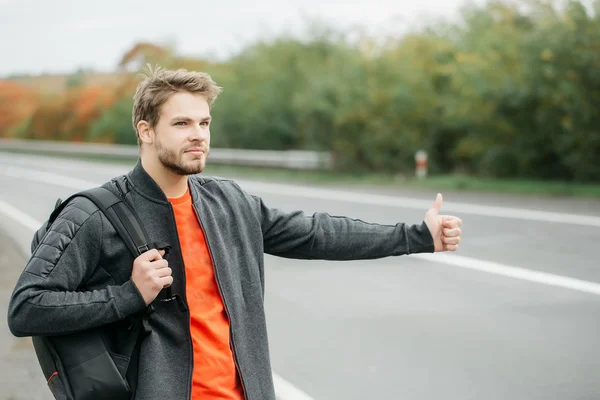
[172, 185]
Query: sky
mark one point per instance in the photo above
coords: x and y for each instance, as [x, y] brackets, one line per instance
[60, 36]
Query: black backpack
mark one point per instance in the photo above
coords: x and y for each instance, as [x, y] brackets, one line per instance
[87, 367]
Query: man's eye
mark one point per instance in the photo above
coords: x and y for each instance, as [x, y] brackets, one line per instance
[204, 123]
[180, 123]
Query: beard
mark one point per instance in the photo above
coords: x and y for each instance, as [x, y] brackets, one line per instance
[173, 160]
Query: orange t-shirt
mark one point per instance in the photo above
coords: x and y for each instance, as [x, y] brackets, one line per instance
[215, 375]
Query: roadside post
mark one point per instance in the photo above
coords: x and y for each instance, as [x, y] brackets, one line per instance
[421, 164]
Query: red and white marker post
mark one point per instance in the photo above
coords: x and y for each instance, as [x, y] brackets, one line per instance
[421, 164]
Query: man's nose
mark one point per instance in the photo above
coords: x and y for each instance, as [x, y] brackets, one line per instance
[199, 133]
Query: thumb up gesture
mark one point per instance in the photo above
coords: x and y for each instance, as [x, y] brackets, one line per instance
[445, 229]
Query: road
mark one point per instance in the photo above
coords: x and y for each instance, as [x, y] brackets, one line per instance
[514, 314]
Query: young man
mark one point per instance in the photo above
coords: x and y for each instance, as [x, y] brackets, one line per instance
[80, 276]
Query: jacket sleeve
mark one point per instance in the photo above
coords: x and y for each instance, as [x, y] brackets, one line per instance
[48, 299]
[322, 236]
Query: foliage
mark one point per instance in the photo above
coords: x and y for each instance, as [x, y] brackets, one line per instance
[511, 91]
[16, 105]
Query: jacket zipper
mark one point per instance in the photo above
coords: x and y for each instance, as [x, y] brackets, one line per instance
[184, 295]
[231, 344]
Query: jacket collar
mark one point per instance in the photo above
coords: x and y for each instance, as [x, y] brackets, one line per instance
[148, 187]
[145, 184]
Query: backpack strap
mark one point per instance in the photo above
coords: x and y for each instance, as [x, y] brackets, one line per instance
[126, 223]
[128, 226]
[120, 215]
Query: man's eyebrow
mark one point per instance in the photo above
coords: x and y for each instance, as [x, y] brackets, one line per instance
[182, 118]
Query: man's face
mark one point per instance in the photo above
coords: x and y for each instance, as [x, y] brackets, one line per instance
[182, 135]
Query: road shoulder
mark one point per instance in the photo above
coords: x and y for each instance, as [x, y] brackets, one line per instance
[21, 377]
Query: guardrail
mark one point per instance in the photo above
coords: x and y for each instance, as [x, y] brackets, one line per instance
[289, 159]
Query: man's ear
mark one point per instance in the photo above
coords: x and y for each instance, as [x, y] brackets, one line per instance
[144, 132]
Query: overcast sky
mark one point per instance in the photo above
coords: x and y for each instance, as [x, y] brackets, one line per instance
[62, 35]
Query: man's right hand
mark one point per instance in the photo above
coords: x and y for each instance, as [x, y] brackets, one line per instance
[151, 274]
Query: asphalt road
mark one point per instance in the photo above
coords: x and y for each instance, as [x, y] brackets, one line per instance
[405, 327]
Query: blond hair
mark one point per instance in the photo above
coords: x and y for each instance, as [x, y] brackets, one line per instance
[160, 84]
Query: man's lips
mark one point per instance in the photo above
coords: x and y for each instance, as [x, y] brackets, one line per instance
[195, 150]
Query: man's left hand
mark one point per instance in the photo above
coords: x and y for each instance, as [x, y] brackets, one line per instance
[445, 229]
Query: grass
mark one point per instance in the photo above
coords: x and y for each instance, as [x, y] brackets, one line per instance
[391, 181]
[438, 182]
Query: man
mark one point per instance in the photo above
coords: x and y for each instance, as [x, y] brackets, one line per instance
[81, 276]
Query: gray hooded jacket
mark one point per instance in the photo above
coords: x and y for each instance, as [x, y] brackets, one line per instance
[79, 276]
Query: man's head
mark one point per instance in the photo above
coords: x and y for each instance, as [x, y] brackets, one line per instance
[171, 117]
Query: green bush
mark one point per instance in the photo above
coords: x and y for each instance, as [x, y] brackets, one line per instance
[513, 91]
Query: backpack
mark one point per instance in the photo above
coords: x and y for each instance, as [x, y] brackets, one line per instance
[86, 366]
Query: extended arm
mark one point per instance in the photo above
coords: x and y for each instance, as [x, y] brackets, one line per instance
[322, 236]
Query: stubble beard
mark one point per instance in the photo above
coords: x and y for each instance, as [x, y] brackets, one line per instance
[172, 161]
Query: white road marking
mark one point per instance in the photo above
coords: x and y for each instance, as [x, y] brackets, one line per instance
[47, 177]
[287, 391]
[419, 204]
[18, 216]
[512, 271]
[347, 196]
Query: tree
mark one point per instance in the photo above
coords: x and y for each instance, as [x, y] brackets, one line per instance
[17, 102]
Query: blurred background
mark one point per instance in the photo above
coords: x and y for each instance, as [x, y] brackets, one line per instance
[494, 89]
